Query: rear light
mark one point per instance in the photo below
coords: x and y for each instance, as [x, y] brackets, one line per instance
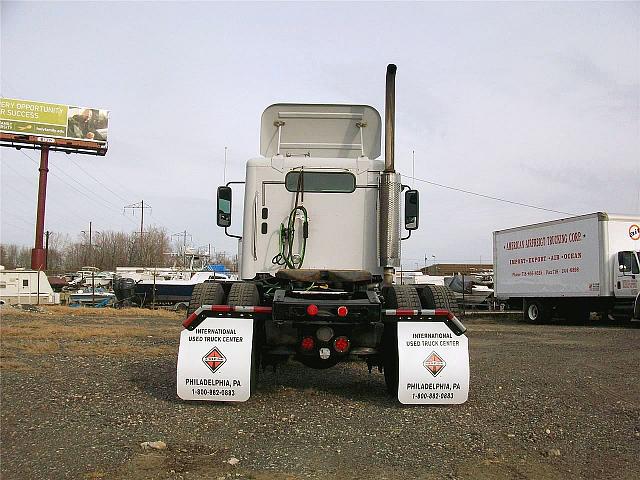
[312, 310]
[341, 344]
[342, 311]
[307, 344]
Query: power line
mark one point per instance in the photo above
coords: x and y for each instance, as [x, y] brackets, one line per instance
[19, 227]
[97, 181]
[102, 199]
[17, 217]
[29, 213]
[79, 191]
[490, 197]
[20, 174]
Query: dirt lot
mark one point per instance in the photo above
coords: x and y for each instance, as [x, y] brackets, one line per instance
[82, 390]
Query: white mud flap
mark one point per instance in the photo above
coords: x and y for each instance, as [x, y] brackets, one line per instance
[214, 360]
[434, 364]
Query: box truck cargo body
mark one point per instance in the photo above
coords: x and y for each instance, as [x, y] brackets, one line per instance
[570, 267]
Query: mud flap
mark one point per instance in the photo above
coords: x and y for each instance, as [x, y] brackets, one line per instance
[214, 360]
[433, 364]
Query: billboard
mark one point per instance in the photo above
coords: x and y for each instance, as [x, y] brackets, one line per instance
[24, 117]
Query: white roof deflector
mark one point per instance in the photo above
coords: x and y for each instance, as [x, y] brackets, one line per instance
[321, 130]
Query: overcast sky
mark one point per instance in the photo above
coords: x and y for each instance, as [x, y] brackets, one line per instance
[537, 103]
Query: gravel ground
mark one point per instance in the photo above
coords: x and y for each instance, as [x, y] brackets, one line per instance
[80, 393]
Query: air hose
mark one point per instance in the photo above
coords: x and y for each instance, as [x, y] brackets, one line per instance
[286, 239]
[286, 235]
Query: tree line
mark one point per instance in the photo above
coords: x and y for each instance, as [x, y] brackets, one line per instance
[106, 251]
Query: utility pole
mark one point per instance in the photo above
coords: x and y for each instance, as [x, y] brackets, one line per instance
[184, 236]
[46, 250]
[93, 278]
[140, 205]
[88, 255]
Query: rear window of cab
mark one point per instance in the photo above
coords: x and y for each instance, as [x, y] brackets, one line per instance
[320, 182]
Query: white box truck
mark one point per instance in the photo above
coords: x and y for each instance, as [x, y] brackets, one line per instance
[570, 267]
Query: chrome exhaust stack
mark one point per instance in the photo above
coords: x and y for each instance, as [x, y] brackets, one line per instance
[390, 188]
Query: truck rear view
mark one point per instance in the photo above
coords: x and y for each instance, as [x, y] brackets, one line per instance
[319, 244]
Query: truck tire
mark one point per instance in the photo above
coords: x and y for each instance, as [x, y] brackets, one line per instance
[397, 296]
[246, 294]
[536, 311]
[438, 296]
[205, 294]
[243, 293]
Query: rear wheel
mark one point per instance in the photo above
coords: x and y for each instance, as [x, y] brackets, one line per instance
[205, 294]
[438, 296]
[243, 294]
[397, 296]
[246, 294]
[536, 311]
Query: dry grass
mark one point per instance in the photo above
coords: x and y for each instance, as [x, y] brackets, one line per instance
[112, 312]
[38, 347]
[14, 365]
[64, 311]
[50, 332]
[43, 329]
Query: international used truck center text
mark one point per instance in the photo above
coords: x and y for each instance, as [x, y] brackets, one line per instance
[215, 335]
[432, 340]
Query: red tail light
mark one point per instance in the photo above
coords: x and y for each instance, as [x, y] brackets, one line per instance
[341, 344]
[312, 310]
[307, 344]
[342, 311]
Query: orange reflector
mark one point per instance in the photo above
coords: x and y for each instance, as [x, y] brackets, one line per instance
[312, 310]
[307, 343]
[341, 344]
[342, 311]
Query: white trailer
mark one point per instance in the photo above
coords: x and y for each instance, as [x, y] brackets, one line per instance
[26, 287]
[570, 267]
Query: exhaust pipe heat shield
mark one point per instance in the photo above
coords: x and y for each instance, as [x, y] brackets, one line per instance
[389, 219]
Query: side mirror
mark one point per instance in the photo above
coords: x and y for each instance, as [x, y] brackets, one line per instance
[411, 209]
[224, 207]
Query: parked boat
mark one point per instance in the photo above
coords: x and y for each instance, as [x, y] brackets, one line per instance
[469, 291]
[88, 297]
[92, 276]
[161, 291]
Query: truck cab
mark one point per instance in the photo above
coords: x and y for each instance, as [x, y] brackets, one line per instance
[318, 177]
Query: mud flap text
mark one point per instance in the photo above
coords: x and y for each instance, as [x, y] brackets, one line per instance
[434, 364]
[214, 360]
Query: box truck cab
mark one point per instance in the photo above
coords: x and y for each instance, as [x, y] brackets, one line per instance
[570, 267]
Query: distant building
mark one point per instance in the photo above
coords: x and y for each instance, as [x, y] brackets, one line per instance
[453, 268]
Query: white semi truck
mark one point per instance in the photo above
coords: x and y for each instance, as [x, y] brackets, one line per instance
[319, 245]
[570, 267]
